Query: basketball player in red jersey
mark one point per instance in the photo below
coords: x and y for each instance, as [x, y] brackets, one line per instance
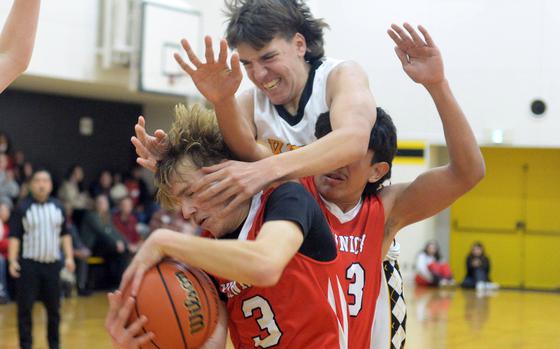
[17, 40]
[362, 212]
[274, 257]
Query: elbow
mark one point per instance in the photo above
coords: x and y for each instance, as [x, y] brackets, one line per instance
[265, 274]
[473, 176]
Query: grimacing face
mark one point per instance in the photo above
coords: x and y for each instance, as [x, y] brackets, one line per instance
[278, 69]
[191, 209]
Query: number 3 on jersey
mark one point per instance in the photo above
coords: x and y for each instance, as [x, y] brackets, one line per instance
[266, 322]
[355, 274]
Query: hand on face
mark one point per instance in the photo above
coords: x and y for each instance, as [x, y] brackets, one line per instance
[227, 185]
[149, 149]
[214, 79]
[420, 57]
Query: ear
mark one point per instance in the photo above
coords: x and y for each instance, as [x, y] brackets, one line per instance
[378, 170]
[301, 45]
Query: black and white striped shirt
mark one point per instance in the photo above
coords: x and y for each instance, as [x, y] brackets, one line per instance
[39, 227]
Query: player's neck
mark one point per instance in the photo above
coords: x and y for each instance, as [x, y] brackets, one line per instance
[292, 106]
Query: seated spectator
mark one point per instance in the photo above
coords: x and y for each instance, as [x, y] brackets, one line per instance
[81, 253]
[478, 270]
[72, 189]
[6, 148]
[118, 189]
[5, 210]
[25, 180]
[8, 186]
[431, 269]
[100, 236]
[102, 185]
[126, 224]
[173, 220]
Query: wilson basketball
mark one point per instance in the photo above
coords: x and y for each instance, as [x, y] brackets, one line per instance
[181, 304]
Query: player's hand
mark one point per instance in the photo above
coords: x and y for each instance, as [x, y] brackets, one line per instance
[420, 57]
[214, 79]
[226, 185]
[69, 264]
[147, 256]
[150, 149]
[14, 269]
[122, 337]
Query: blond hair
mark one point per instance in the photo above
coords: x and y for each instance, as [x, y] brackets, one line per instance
[194, 139]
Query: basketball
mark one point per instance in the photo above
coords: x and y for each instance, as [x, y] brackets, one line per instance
[181, 304]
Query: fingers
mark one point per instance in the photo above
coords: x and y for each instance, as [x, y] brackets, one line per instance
[150, 164]
[160, 135]
[403, 39]
[209, 52]
[402, 56]
[218, 199]
[123, 313]
[427, 36]
[192, 56]
[140, 129]
[223, 52]
[235, 66]
[415, 37]
[140, 148]
[137, 281]
[235, 203]
[187, 68]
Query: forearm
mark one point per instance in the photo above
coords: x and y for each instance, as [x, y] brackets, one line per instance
[465, 158]
[67, 246]
[13, 249]
[242, 261]
[237, 132]
[18, 34]
[337, 149]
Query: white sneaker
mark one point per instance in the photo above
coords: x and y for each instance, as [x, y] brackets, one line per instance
[491, 286]
[480, 286]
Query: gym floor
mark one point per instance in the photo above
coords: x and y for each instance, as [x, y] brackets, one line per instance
[437, 319]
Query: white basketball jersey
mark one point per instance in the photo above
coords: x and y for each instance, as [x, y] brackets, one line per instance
[282, 131]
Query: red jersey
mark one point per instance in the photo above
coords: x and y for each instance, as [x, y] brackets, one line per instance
[359, 243]
[295, 313]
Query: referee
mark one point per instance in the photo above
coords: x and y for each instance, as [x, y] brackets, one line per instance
[37, 228]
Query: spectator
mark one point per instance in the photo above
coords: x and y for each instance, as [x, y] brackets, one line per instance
[126, 224]
[478, 270]
[102, 185]
[118, 189]
[5, 210]
[72, 189]
[81, 253]
[100, 236]
[6, 148]
[8, 186]
[431, 269]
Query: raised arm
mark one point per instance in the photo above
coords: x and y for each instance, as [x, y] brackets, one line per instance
[438, 188]
[218, 82]
[17, 40]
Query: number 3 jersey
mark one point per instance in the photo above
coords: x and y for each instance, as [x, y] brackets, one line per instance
[359, 238]
[299, 311]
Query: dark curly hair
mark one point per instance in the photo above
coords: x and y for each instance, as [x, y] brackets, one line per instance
[257, 22]
[382, 140]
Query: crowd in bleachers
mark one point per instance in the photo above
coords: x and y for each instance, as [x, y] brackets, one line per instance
[108, 219]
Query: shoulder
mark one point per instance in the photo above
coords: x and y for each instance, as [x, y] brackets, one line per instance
[57, 203]
[23, 205]
[346, 70]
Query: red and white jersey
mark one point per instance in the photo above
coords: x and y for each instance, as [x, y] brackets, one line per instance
[284, 132]
[298, 312]
[359, 237]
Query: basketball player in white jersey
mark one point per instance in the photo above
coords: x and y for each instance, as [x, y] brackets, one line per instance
[17, 39]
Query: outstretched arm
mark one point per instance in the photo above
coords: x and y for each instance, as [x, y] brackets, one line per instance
[17, 40]
[438, 188]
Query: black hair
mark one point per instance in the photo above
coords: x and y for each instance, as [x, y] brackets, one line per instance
[257, 22]
[382, 141]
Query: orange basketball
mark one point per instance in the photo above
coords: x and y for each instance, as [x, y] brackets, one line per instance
[181, 304]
